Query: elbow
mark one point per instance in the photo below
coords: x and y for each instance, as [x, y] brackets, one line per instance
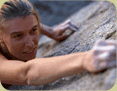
[33, 76]
[33, 80]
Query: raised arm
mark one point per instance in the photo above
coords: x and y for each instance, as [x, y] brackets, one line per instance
[41, 70]
[45, 70]
[58, 32]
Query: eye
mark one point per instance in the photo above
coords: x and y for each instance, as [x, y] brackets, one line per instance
[18, 36]
[33, 30]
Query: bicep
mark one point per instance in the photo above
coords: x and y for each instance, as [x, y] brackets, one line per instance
[13, 72]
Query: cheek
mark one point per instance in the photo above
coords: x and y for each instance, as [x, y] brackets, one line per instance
[7, 42]
[36, 38]
[15, 47]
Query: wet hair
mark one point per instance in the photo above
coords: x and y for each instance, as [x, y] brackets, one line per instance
[16, 8]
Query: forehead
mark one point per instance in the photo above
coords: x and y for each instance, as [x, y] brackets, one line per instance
[20, 24]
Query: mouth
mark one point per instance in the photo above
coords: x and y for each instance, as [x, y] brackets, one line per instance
[30, 51]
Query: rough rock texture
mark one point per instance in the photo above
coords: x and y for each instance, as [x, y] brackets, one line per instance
[54, 12]
[97, 20]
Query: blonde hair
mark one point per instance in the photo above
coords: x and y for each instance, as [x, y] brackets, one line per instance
[16, 8]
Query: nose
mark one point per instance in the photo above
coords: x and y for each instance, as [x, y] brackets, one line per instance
[29, 42]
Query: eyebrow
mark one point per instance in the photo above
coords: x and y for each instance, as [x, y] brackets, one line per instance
[21, 31]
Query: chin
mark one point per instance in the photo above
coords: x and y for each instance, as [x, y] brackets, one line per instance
[29, 58]
[26, 57]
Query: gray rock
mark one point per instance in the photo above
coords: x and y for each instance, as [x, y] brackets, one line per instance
[97, 20]
[54, 12]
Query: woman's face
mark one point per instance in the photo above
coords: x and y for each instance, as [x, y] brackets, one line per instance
[21, 37]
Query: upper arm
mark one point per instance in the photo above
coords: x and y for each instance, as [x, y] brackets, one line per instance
[13, 71]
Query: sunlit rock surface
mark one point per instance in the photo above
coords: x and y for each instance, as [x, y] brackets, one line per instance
[97, 20]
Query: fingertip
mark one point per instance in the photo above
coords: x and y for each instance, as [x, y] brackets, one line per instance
[66, 22]
[73, 30]
[104, 56]
[77, 26]
[63, 37]
[111, 42]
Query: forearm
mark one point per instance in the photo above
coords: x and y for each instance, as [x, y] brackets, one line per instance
[46, 70]
[46, 30]
[42, 70]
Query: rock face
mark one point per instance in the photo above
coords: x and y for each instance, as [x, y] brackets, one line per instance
[54, 12]
[97, 20]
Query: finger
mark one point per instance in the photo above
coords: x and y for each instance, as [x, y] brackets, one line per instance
[69, 22]
[62, 37]
[77, 27]
[105, 48]
[106, 56]
[73, 25]
[63, 29]
[105, 42]
[68, 27]
[107, 64]
[110, 42]
[99, 49]
[103, 56]
[104, 65]
[97, 52]
[66, 22]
